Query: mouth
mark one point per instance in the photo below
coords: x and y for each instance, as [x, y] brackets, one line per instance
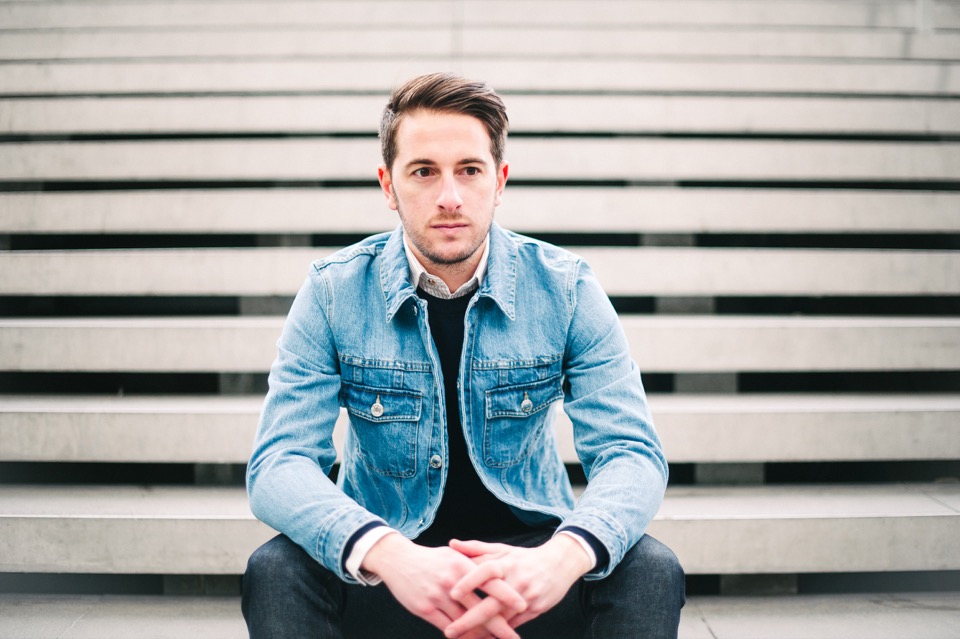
[449, 227]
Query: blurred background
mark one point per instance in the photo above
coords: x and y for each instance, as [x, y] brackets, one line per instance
[769, 191]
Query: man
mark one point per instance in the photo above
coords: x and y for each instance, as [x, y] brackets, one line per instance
[447, 341]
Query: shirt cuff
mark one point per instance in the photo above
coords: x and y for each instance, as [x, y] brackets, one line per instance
[360, 549]
[587, 548]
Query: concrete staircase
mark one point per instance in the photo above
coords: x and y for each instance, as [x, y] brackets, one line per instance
[768, 190]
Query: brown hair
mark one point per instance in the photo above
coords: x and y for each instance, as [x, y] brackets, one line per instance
[446, 93]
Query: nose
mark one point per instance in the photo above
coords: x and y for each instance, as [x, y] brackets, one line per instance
[449, 197]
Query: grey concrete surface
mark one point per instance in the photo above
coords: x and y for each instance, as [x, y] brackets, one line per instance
[881, 616]
[653, 210]
[694, 428]
[873, 616]
[713, 529]
[668, 271]
[659, 343]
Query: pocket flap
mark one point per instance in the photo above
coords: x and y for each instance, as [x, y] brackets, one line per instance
[523, 400]
[381, 405]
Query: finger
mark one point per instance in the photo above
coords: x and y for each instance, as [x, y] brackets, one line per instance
[488, 578]
[484, 613]
[475, 578]
[498, 625]
[475, 548]
[438, 619]
[506, 594]
[523, 618]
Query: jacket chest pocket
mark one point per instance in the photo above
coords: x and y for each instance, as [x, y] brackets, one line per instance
[514, 420]
[384, 424]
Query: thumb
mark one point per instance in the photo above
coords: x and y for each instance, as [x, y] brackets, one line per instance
[475, 548]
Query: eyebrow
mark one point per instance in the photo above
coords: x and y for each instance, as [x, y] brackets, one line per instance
[428, 162]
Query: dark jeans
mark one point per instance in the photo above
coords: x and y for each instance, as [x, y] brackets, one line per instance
[288, 594]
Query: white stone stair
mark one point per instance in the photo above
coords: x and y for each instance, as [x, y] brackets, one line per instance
[713, 530]
[645, 271]
[659, 343]
[878, 616]
[652, 210]
[694, 428]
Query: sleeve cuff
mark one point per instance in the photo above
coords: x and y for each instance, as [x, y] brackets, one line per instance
[587, 548]
[359, 551]
[589, 542]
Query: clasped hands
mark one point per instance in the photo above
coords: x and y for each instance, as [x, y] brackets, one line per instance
[440, 585]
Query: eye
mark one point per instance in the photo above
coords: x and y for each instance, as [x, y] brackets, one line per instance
[472, 170]
[422, 172]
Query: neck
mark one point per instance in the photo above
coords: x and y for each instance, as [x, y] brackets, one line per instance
[454, 275]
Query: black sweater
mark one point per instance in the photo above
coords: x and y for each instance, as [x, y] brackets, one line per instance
[467, 509]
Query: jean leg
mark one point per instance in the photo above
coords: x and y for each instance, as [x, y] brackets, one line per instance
[287, 594]
[642, 597]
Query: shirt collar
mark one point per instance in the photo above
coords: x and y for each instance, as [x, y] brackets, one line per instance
[499, 279]
[421, 278]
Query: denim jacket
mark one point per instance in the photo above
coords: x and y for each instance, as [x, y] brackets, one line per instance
[539, 330]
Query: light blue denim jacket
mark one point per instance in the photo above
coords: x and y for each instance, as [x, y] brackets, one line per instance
[539, 329]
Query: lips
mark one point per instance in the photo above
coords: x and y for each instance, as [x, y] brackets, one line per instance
[449, 227]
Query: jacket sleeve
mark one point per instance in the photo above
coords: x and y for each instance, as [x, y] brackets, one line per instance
[287, 477]
[613, 430]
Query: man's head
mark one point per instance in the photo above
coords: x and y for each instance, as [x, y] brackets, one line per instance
[444, 93]
[443, 169]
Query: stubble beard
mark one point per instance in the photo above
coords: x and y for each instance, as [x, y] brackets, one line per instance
[434, 257]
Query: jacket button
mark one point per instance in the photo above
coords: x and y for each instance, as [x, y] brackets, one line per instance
[377, 409]
[436, 461]
[526, 405]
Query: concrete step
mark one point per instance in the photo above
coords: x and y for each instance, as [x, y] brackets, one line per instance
[898, 13]
[652, 210]
[693, 428]
[116, 617]
[521, 73]
[879, 616]
[713, 530]
[631, 159]
[653, 40]
[659, 343]
[748, 114]
[644, 271]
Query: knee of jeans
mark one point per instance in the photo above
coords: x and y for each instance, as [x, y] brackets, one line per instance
[276, 560]
[657, 563]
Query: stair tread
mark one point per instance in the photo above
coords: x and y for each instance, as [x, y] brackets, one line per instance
[932, 615]
[681, 503]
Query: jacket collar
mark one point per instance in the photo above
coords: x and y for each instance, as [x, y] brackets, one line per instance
[499, 282]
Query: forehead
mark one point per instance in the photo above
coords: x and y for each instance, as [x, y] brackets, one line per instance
[439, 135]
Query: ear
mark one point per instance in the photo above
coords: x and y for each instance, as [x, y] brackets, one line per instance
[386, 184]
[502, 172]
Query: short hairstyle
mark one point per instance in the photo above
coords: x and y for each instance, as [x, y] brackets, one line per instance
[444, 93]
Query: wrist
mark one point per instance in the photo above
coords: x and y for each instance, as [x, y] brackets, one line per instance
[359, 548]
[571, 556]
[377, 558]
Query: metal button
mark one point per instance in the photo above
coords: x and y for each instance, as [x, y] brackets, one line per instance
[526, 405]
[377, 409]
[436, 461]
